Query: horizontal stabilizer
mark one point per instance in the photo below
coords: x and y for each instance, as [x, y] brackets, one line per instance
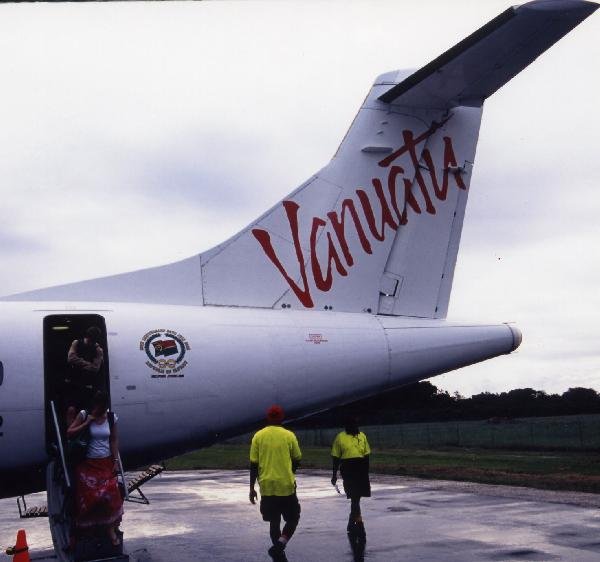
[482, 63]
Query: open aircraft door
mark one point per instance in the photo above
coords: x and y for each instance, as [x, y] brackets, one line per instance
[60, 380]
[64, 391]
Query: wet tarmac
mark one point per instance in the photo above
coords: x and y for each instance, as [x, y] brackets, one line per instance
[205, 515]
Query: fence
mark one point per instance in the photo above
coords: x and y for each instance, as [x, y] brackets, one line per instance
[561, 432]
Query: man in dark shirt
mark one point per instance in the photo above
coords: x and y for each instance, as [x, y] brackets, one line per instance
[85, 359]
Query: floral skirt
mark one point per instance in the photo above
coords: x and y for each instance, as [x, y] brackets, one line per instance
[97, 497]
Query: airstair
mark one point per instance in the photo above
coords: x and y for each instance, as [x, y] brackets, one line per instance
[60, 496]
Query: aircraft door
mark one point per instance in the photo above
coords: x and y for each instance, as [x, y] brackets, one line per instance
[70, 384]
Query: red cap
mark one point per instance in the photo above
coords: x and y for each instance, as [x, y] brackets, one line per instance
[275, 414]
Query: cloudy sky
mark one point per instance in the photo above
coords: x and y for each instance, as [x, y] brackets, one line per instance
[139, 134]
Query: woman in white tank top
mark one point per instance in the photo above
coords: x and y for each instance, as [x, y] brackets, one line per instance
[98, 500]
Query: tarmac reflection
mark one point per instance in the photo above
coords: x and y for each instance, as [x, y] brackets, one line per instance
[205, 515]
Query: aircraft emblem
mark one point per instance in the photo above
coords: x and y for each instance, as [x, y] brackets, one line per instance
[165, 353]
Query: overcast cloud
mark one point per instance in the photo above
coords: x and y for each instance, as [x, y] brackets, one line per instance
[121, 121]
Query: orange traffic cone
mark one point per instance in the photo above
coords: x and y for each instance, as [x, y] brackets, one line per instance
[19, 552]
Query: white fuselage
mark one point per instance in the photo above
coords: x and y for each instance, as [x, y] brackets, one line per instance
[237, 362]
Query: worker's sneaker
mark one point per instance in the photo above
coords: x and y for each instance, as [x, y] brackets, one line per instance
[277, 553]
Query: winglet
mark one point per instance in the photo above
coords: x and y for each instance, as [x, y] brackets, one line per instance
[482, 63]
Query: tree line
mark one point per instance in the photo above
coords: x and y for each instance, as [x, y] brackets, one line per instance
[423, 401]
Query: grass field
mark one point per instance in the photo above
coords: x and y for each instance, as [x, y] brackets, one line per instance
[559, 470]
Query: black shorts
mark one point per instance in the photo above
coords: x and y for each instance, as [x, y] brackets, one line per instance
[355, 473]
[273, 508]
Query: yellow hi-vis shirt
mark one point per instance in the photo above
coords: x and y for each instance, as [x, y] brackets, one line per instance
[273, 449]
[347, 446]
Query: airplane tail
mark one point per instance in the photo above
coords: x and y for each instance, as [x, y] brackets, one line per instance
[378, 229]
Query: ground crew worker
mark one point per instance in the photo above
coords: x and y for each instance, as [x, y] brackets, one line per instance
[350, 453]
[274, 458]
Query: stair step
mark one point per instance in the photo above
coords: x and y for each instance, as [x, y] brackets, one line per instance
[144, 477]
[41, 511]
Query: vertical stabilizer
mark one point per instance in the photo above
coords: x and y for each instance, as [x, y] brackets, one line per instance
[371, 231]
[378, 229]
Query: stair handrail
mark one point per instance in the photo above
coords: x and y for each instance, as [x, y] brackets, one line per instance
[122, 473]
[60, 444]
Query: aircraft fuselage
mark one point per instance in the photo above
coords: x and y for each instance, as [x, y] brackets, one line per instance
[183, 377]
